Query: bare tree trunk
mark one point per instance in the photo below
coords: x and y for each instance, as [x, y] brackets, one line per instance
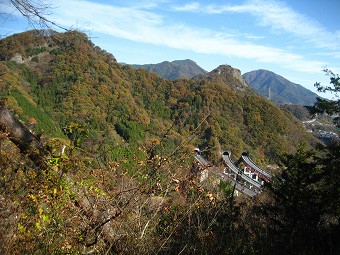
[26, 141]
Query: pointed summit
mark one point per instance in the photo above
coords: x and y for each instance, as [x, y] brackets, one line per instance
[226, 74]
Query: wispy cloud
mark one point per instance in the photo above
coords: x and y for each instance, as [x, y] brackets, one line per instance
[278, 16]
[194, 6]
[143, 4]
[148, 27]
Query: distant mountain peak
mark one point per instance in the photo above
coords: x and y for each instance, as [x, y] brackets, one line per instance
[181, 62]
[278, 89]
[226, 74]
[176, 69]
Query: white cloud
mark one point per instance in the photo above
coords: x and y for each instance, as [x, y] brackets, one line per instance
[278, 16]
[195, 6]
[147, 27]
[143, 4]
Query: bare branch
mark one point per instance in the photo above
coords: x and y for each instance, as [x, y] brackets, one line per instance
[35, 12]
[27, 142]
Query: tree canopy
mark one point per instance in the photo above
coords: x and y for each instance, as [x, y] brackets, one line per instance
[331, 107]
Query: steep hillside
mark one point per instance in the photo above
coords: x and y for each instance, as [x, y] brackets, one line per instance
[174, 70]
[114, 170]
[75, 82]
[278, 89]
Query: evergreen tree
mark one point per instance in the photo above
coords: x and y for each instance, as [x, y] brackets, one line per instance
[307, 204]
[331, 107]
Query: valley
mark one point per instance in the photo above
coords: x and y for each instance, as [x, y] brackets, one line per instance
[100, 158]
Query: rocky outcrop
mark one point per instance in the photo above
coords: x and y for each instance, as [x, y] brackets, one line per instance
[17, 58]
[226, 74]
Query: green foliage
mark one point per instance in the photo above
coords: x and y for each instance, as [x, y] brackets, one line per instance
[37, 207]
[300, 112]
[131, 137]
[306, 205]
[129, 130]
[44, 122]
[76, 133]
[226, 188]
[331, 107]
[334, 81]
[76, 82]
[35, 51]
[127, 157]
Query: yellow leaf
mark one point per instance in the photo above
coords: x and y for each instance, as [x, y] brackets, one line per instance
[21, 228]
[37, 224]
[46, 218]
[40, 211]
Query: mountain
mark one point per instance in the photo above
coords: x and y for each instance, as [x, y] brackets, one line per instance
[174, 70]
[225, 74]
[278, 89]
[127, 181]
[74, 82]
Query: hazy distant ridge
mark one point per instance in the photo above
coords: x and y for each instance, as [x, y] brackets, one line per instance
[174, 70]
[278, 89]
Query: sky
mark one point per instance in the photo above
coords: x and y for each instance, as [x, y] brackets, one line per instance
[294, 38]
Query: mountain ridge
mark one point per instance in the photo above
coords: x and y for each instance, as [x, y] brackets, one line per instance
[282, 91]
[177, 69]
[72, 80]
[278, 89]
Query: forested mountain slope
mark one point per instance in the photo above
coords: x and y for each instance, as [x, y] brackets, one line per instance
[278, 89]
[177, 69]
[113, 171]
[268, 84]
[62, 78]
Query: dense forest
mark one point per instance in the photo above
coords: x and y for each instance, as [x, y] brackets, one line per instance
[65, 79]
[118, 173]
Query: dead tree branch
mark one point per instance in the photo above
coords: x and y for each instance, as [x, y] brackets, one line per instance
[26, 141]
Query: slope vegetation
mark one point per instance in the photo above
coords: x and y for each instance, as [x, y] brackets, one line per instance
[178, 69]
[278, 89]
[127, 182]
[70, 80]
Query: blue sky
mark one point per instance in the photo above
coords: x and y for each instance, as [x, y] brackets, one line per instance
[293, 38]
